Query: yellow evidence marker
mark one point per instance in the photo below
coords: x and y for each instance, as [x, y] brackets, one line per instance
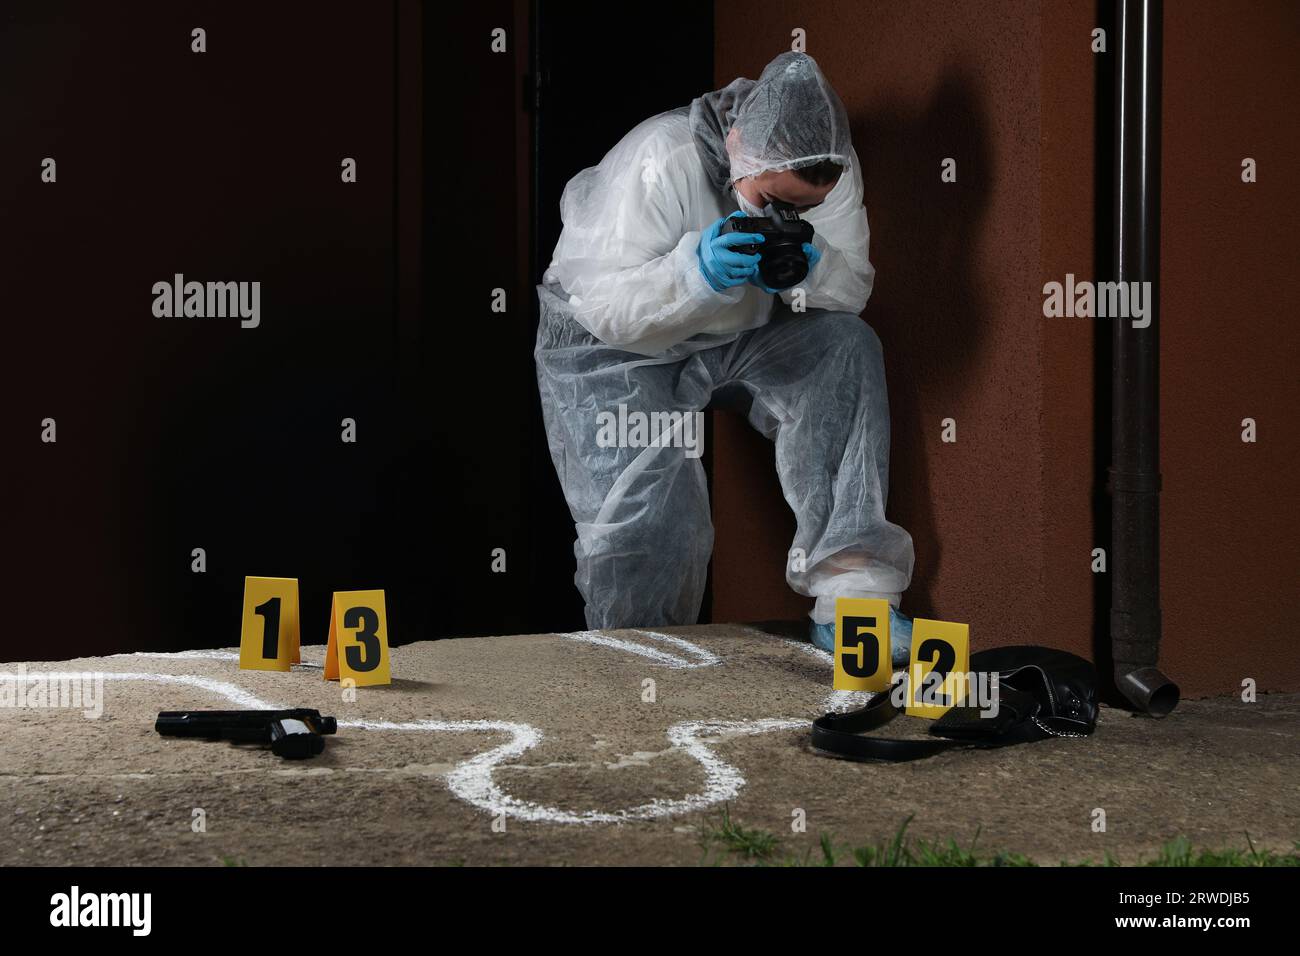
[268, 633]
[358, 642]
[942, 647]
[862, 644]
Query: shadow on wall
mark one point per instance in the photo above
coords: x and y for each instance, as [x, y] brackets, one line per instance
[928, 305]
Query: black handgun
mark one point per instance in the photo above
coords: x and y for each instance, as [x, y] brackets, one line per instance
[292, 734]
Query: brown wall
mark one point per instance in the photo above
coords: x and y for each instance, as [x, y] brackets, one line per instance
[1004, 519]
[1231, 536]
[954, 302]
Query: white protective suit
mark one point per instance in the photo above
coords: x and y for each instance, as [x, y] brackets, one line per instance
[628, 319]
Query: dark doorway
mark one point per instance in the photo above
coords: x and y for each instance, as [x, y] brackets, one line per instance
[596, 73]
[175, 434]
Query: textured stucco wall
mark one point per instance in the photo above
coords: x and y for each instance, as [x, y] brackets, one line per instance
[1005, 519]
[1230, 547]
[1075, 450]
[955, 304]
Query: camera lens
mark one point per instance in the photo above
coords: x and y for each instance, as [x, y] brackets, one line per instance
[783, 265]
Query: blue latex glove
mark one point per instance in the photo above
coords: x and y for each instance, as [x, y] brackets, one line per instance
[900, 637]
[814, 257]
[722, 267]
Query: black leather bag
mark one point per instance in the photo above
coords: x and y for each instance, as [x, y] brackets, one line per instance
[1042, 692]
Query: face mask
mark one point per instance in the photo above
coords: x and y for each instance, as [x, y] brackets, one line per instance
[748, 208]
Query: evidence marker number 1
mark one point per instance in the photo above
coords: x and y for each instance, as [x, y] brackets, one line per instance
[269, 638]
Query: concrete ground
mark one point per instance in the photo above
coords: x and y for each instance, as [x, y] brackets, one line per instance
[551, 749]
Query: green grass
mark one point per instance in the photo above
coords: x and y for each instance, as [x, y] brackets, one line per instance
[1179, 852]
[724, 840]
[750, 844]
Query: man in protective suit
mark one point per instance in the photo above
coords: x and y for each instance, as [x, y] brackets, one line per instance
[649, 304]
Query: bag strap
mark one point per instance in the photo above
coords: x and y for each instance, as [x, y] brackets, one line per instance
[1025, 713]
[840, 735]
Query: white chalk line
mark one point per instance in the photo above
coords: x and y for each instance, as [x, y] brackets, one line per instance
[208, 656]
[473, 782]
[703, 658]
[185, 655]
[233, 693]
[472, 779]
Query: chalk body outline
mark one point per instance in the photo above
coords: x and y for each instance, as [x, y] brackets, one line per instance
[473, 779]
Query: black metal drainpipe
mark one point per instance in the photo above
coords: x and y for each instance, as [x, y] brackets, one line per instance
[1135, 460]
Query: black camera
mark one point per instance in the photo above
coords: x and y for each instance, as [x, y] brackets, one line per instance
[781, 263]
